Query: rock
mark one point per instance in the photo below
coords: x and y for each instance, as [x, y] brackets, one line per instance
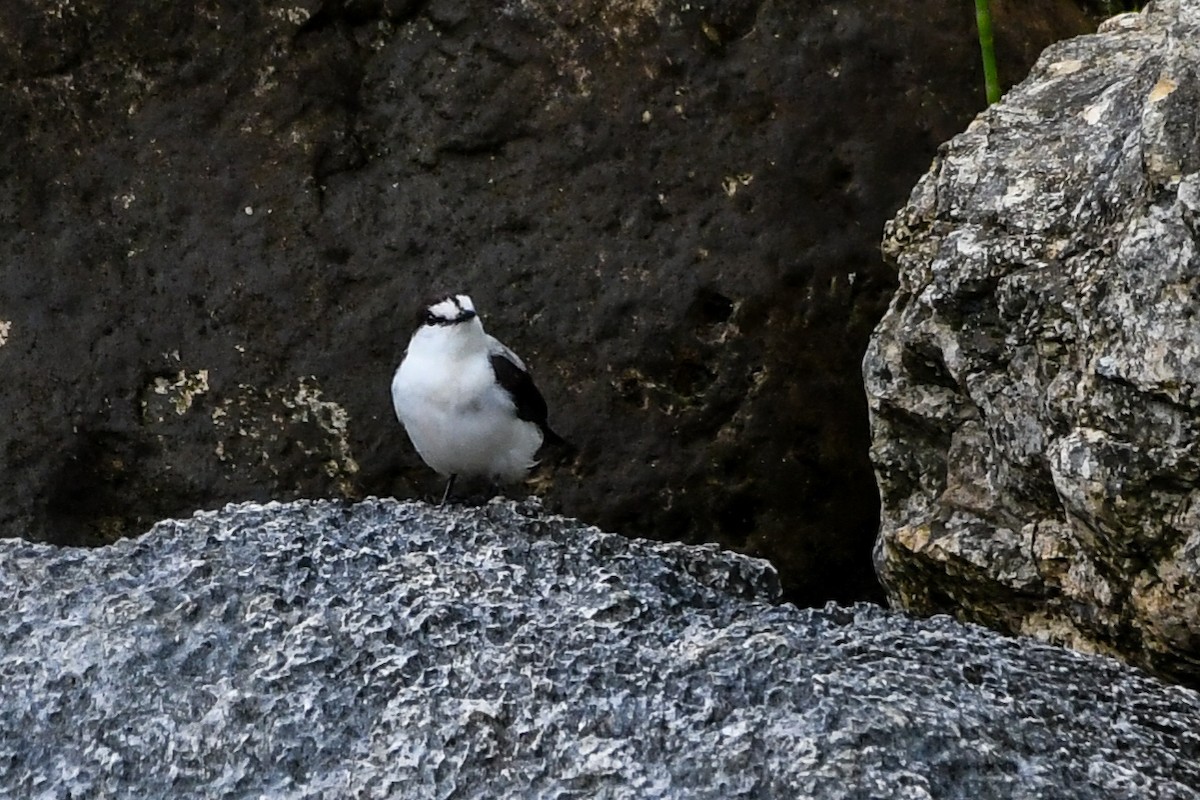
[217, 220]
[396, 649]
[1034, 386]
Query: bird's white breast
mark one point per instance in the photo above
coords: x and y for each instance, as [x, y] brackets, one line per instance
[460, 421]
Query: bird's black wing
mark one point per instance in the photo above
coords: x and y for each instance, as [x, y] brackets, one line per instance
[531, 406]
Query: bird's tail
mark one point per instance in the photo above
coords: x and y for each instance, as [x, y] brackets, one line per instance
[552, 439]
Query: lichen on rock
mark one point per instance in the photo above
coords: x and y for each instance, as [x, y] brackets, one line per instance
[1035, 385]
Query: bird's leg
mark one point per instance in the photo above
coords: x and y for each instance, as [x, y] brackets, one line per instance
[449, 486]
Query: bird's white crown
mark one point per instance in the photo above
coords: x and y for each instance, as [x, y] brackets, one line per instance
[449, 310]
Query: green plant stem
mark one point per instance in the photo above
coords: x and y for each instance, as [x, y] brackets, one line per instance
[983, 21]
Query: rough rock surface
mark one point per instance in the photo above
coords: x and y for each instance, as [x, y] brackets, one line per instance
[217, 219]
[393, 649]
[1035, 387]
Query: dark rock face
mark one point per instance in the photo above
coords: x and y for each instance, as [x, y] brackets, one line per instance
[1036, 384]
[216, 220]
[396, 650]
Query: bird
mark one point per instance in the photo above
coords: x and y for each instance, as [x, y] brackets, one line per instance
[468, 402]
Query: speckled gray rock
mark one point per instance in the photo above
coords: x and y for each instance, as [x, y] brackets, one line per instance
[1035, 386]
[395, 650]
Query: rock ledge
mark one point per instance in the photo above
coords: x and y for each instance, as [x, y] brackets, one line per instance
[391, 649]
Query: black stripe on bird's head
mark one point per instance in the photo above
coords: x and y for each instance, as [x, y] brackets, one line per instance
[449, 310]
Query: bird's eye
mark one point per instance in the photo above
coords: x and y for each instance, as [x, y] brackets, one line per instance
[430, 318]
